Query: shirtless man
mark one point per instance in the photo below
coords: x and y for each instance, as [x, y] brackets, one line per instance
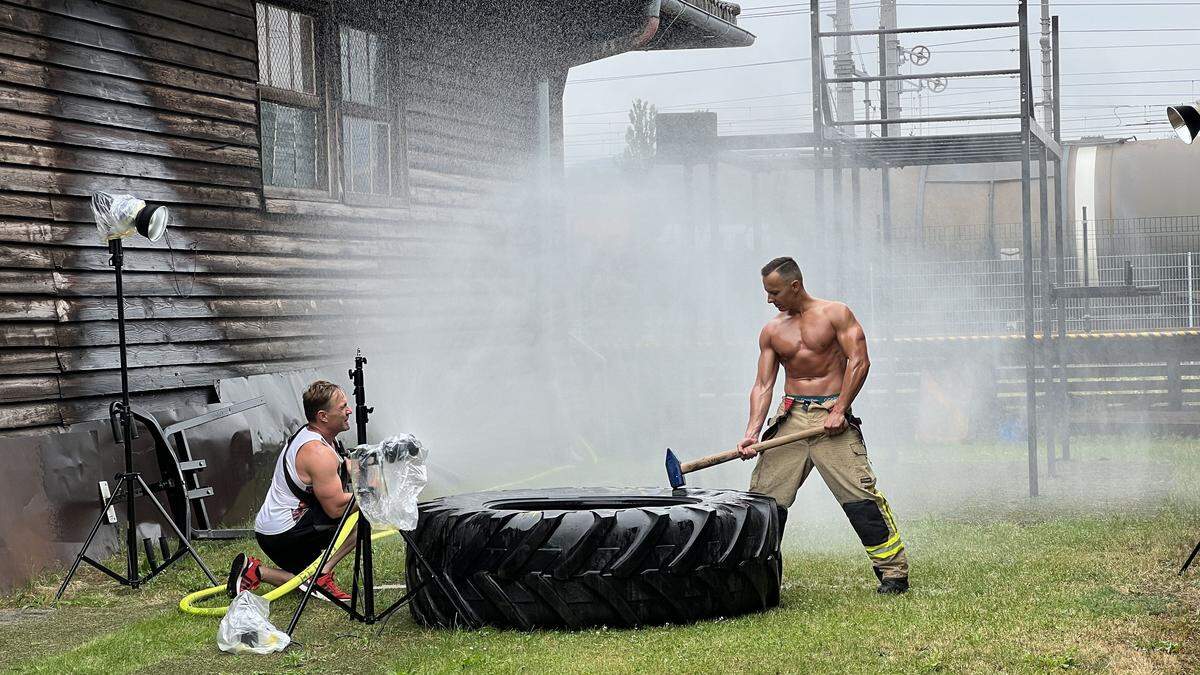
[824, 355]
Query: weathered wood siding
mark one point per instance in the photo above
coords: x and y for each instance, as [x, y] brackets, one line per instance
[158, 98]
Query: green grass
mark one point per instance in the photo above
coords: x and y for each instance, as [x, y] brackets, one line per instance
[1055, 584]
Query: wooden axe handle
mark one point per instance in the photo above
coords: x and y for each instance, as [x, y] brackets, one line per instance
[728, 455]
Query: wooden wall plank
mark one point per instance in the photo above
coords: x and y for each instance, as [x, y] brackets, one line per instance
[28, 361]
[28, 388]
[184, 240]
[43, 50]
[15, 309]
[467, 185]
[193, 269]
[238, 7]
[26, 282]
[469, 105]
[34, 128]
[62, 27]
[157, 331]
[467, 133]
[109, 88]
[124, 164]
[71, 360]
[134, 22]
[30, 415]
[25, 205]
[29, 334]
[106, 383]
[105, 308]
[223, 21]
[138, 284]
[422, 157]
[88, 409]
[431, 139]
[83, 109]
[44, 180]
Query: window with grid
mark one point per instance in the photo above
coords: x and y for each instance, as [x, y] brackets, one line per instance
[368, 138]
[291, 100]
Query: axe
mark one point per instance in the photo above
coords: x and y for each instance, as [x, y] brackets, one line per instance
[676, 470]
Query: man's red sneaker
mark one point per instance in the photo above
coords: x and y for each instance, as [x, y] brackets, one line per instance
[244, 575]
[326, 582]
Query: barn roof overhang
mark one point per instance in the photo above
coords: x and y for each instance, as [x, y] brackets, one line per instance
[606, 28]
[699, 24]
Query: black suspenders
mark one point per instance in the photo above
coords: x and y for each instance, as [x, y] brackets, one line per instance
[307, 499]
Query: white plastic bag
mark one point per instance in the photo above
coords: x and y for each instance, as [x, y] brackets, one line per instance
[246, 628]
[388, 478]
[115, 214]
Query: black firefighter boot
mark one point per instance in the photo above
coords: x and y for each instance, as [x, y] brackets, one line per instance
[890, 586]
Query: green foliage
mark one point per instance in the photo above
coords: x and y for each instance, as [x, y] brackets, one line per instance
[639, 136]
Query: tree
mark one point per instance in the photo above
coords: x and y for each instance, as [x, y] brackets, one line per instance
[639, 135]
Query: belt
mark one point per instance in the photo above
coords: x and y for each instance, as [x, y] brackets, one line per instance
[791, 400]
[810, 399]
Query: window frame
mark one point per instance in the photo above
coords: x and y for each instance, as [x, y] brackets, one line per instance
[326, 188]
[392, 113]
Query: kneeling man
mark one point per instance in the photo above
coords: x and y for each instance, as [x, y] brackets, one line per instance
[299, 516]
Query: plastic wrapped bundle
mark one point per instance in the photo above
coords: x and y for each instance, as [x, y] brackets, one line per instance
[388, 478]
[115, 214]
[246, 627]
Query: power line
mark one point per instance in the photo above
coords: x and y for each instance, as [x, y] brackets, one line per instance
[611, 78]
[802, 8]
[689, 70]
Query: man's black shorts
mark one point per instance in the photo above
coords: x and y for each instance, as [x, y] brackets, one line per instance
[298, 547]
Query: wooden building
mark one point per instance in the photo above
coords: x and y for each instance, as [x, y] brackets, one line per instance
[313, 155]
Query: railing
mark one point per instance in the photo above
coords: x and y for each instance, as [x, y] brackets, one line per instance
[984, 297]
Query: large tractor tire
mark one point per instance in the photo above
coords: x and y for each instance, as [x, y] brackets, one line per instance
[582, 557]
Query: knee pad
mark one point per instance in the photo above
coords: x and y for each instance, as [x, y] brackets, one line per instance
[868, 521]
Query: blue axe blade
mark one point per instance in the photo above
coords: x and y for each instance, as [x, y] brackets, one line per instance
[674, 471]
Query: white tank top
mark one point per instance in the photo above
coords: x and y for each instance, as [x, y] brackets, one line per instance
[281, 510]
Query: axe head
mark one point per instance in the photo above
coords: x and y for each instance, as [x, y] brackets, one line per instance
[674, 471]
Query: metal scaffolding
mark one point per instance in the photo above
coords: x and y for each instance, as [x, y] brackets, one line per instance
[837, 152]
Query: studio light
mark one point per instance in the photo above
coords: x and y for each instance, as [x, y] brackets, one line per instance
[119, 216]
[1185, 120]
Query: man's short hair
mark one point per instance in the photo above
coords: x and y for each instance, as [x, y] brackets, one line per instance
[317, 397]
[787, 269]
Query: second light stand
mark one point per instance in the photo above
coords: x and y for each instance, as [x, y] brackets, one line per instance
[363, 557]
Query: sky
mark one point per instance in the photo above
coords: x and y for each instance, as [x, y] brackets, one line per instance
[1121, 64]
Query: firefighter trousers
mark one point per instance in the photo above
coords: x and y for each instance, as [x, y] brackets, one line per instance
[842, 462]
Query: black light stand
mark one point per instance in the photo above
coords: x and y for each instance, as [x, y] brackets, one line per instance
[130, 481]
[363, 558]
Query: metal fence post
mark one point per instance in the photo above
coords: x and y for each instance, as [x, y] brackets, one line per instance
[1191, 293]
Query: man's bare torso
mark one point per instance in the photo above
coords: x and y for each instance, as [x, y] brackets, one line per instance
[807, 346]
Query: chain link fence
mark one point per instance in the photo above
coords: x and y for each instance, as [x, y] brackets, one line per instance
[980, 297]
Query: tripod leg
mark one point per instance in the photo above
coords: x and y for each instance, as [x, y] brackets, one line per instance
[364, 541]
[88, 542]
[324, 559]
[1190, 558]
[459, 606]
[354, 580]
[182, 537]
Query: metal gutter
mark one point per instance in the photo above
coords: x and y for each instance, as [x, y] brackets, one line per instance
[628, 42]
[689, 27]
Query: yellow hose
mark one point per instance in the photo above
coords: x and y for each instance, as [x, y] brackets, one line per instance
[187, 604]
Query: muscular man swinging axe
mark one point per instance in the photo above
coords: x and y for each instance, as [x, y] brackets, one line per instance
[824, 355]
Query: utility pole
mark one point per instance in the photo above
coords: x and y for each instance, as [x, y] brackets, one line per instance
[891, 59]
[1047, 75]
[843, 66]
